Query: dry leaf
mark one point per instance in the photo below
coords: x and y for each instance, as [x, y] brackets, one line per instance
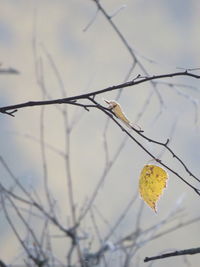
[153, 180]
[117, 110]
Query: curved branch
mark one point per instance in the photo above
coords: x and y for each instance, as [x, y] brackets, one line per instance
[72, 100]
[108, 113]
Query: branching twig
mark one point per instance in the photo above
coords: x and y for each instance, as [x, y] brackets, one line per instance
[87, 101]
[108, 113]
[72, 100]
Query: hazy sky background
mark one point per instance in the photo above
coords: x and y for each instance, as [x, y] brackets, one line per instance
[166, 32]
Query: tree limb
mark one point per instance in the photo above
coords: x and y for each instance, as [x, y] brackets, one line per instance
[190, 251]
[71, 100]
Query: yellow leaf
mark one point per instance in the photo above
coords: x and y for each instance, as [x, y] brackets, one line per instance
[153, 180]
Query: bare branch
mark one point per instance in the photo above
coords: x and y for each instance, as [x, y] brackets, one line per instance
[108, 113]
[72, 100]
[190, 251]
[2, 264]
[8, 71]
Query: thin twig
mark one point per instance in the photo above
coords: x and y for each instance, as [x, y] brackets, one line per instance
[108, 113]
[190, 251]
[70, 100]
[8, 71]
